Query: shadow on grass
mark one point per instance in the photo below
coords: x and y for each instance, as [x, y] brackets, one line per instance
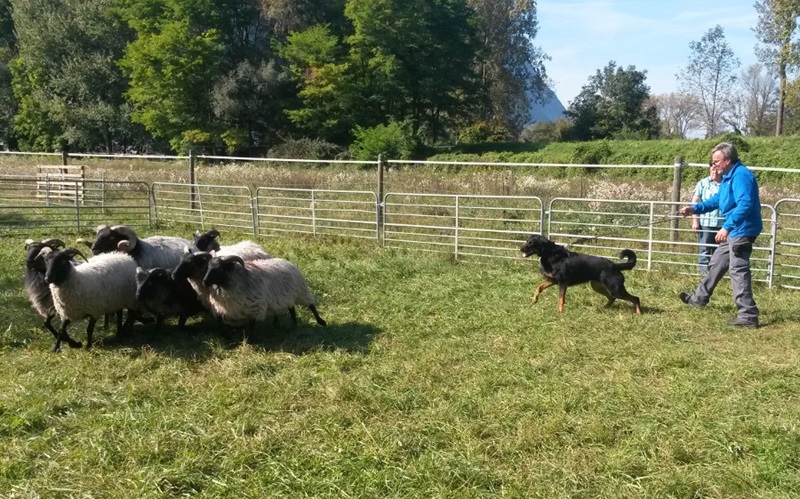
[203, 340]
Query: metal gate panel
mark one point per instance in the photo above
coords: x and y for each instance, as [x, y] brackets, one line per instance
[204, 206]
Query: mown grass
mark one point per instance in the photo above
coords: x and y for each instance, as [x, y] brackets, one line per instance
[433, 379]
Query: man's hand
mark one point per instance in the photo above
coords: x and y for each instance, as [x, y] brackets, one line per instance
[721, 236]
[695, 224]
[686, 210]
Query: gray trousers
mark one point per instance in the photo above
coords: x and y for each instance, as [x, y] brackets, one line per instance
[732, 256]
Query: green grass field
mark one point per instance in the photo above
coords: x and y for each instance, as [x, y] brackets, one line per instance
[432, 379]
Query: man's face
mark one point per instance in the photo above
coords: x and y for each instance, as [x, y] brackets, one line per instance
[719, 163]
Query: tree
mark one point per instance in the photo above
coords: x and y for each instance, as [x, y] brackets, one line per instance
[678, 114]
[184, 51]
[8, 49]
[249, 102]
[66, 81]
[403, 62]
[710, 76]
[614, 104]
[510, 67]
[755, 105]
[776, 30]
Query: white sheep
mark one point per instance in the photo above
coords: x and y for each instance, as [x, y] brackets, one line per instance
[248, 250]
[104, 284]
[150, 252]
[244, 292]
[36, 289]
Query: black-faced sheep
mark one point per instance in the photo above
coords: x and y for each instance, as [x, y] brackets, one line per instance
[163, 296]
[192, 268]
[248, 250]
[245, 292]
[150, 252]
[36, 289]
[102, 285]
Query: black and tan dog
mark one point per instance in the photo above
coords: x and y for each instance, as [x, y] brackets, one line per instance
[566, 268]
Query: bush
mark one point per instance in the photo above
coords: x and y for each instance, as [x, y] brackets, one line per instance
[394, 141]
[305, 148]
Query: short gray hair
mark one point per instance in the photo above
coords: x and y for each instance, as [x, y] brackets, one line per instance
[728, 151]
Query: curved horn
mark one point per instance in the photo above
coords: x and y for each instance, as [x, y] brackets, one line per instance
[54, 243]
[73, 252]
[126, 245]
[125, 231]
[101, 227]
[233, 258]
[28, 243]
[84, 242]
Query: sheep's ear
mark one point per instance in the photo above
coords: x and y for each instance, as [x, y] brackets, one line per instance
[141, 275]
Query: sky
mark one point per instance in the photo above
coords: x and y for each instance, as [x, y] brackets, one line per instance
[582, 36]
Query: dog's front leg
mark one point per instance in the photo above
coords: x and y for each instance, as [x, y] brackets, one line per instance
[539, 289]
[562, 295]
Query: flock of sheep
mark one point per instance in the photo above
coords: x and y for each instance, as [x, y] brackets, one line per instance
[159, 277]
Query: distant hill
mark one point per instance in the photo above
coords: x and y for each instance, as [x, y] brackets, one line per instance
[549, 108]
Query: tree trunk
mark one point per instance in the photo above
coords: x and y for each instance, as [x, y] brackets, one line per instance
[781, 103]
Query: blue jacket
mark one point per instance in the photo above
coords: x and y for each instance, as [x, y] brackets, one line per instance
[738, 202]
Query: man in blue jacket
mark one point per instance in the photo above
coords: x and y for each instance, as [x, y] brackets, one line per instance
[738, 202]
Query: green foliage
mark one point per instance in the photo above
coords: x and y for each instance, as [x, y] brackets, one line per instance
[305, 148]
[548, 131]
[66, 82]
[614, 105]
[169, 75]
[394, 140]
[485, 131]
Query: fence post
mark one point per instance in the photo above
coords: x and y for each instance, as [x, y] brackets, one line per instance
[192, 191]
[379, 208]
[64, 155]
[676, 195]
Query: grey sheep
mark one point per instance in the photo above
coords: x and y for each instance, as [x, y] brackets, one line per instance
[150, 252]
[248, 250]
[104, 284]
[244, 292]
[36, 289]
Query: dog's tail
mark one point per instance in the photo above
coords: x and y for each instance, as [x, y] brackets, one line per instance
[630, 256]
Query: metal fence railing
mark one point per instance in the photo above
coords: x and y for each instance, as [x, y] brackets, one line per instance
[466, 225]
[26, 204]
[317, 212]
[204, 206]
[604, 226]
[461, 225]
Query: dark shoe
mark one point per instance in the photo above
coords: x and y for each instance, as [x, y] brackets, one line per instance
[740, 322]
[685, 297]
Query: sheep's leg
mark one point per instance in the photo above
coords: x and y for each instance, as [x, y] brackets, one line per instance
[62, 335]
[293, 315]
[90, 332]
[48, 323]
[319, 319]
[182, 321]
[128, 326]
[119, 321]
